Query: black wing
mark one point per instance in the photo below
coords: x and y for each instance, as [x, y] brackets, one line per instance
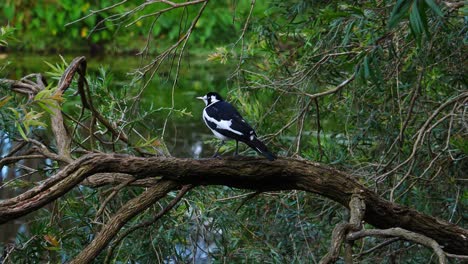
[239, 129]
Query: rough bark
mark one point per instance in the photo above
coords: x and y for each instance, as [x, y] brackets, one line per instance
[248, 173]
[357, 208]
[125, 213]
[62, 137]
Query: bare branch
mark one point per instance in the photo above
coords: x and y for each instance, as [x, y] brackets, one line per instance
[381, 245]
[92, 12]
[422, 132]
[13, 159]
[334, 90]
[405, 234]
[41, 148]
[172, 6]
[114, 192]
[357, 211]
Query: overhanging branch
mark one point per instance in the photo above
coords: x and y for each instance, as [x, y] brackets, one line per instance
[245, 173]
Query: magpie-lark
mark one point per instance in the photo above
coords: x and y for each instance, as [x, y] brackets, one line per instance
[226, 123]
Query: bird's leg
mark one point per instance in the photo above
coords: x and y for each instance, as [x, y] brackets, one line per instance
[219, 147]
[237, 148]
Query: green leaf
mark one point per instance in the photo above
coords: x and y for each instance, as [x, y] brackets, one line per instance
[366, 67]
[434, 7]
[19, 183]
[15, 112]
[36, 123]
[415, 20]
[418, 20]
[45, 107]
[21, 131]
[399, 11]
[4, 100]
[44, 93]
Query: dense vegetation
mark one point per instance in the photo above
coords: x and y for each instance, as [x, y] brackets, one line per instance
[45, 25]
[375, 88]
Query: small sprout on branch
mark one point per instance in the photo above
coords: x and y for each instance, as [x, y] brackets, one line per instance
[221, 55]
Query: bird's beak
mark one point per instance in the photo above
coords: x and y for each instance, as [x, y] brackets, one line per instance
[200, 97]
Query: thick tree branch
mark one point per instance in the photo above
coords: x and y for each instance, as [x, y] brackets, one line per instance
[246, 173]
[125, 213]
[156, 217]
[103, 179]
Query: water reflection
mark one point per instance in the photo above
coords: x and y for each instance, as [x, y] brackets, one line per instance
[14, 182]
[184, 135]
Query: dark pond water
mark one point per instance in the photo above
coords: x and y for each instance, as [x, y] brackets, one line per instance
[184, 135]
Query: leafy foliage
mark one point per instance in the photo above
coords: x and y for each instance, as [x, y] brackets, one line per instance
[6, 34]
[41, 25]
[399, 62]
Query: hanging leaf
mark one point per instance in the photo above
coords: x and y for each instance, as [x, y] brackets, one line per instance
[45, 107]
[4, 100]
[366, 67]
[415, 20]
[15, 112]
[51, 240]
[35, 123]
[399, 11]
[21, 131]
[434, 7]
[42, 94]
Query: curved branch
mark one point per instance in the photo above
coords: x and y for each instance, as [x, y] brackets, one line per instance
[156, 217]
[422, 133]
[357, 209]
[247, 173]
[405, 234]
[334, 90]
[125, 213]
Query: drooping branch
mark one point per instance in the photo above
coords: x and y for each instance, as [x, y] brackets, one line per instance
[155, 218]
[246, 173]
[405, 234]
[32, 84]
[125, 213]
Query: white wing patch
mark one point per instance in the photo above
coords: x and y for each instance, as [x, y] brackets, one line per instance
[222, 124]
[218, 135]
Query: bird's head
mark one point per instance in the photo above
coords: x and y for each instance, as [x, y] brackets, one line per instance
[210, 98]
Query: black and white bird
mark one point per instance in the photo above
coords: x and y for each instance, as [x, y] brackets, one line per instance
[227, 124]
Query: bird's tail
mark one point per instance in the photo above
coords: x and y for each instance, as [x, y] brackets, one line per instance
[258, 146]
